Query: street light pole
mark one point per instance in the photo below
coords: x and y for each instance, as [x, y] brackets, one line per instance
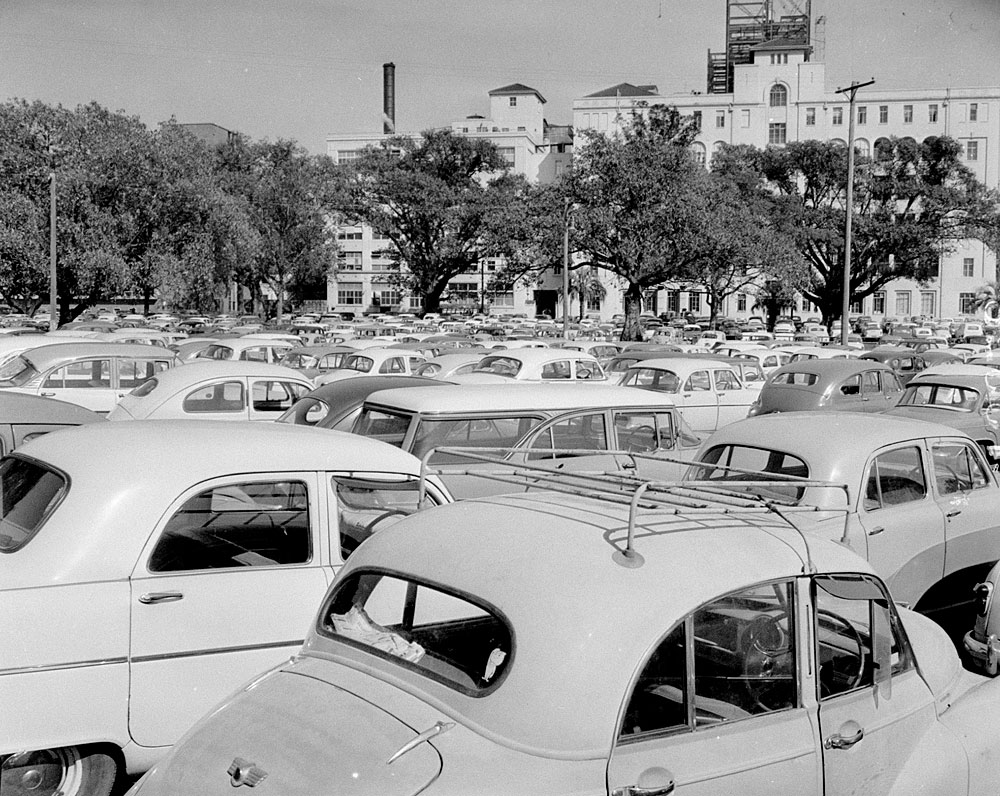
[851, 91]
[565, 273]
[53, 302]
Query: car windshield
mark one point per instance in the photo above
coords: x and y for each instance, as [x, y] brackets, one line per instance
[17, 372]
[761, 462]
[358, 363]
[28, 494]
[944, 396]
[444, 636]
[382, 425]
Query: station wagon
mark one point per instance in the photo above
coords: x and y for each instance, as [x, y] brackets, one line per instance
[137, 603]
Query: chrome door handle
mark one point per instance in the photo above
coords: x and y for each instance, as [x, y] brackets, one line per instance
[638, 790]
[838, 741]
[153, 597]
[47, 394]
[953, 513]
[876, 531]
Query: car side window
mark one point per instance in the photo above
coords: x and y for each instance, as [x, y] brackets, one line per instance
[698, 381]
[251, 524]
[871, 382]
[741, 650]
[258, 354]
[588, 370]
[642, 432]
[851, 387]
[365, 506]
[89, 374]
[556, 370]
[133, 372]
[392, 365]
[855, 627]
[272, 396]
[957, 468]
[578, 433]
[726, 380]
[894, 478]
[227, 396]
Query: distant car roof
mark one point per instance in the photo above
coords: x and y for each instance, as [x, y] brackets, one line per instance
[834, 368]
[53, 355]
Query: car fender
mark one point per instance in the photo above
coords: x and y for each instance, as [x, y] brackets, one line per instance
[938, 764]
[971, 720]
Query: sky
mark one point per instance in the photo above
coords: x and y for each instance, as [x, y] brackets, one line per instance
[306, 69]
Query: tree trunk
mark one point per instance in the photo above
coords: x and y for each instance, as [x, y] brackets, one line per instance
[633, 307]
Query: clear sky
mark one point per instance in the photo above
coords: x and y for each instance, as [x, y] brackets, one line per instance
[304, 69]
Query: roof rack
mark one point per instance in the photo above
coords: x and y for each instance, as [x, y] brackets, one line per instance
[686, 497]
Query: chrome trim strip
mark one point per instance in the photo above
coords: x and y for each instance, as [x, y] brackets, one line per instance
[55, 667]
[166, 656]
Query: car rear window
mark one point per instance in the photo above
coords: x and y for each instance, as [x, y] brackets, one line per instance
[445, 636]
[796, 378]
[761, 461]
[29, 492]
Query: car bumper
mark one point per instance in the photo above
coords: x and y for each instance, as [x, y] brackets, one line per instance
[985, 653]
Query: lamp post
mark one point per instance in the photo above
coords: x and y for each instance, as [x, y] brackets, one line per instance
[851, 91]
[53, 297]
[565, 269]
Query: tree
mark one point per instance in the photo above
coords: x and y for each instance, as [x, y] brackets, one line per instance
[434, 198]
[585, 284]
[913, 202]
[285, 194]
[641, 205]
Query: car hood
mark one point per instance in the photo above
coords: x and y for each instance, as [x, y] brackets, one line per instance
[294, 734]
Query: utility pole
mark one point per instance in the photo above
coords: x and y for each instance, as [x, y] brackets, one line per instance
[53, 298]
[565, 269]
[851, 91]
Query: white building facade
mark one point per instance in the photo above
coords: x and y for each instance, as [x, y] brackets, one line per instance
[781, 97]
[541, 152]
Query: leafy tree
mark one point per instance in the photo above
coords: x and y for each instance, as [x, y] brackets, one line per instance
[585, 283]
[285, 194]
[912, 202]
[435, 198]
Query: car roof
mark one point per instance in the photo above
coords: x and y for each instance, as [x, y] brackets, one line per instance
[18, 407]
[687, 364]
[163, 458]
[556, 549]
[47, 356]
[834, 368]
[346, 391]
[957, 373]
[540, 355]
[516, 396]
[201, 369]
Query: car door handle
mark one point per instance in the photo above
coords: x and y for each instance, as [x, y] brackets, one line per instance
[876, 530]
[47, 394]
[953, 513]
[153, 597]
[840, 741]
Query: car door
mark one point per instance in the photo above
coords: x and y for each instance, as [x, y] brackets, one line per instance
[734, 400]
[699, 402]
[226, 587]
[130, 373]
[659, 434]
[716, 709]
[270, 397]
[903, 524]
[967, 494]
[225, 399]
[846, 395]
[871, 720]
[86, 383]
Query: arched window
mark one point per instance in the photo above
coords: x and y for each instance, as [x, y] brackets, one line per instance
[699, 153]
[883, 149]
[779, 96]
[862, 147]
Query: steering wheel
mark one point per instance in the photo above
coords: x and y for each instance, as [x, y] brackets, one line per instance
[641, 439]
[768, 662]
[369, 529]
[854, 678]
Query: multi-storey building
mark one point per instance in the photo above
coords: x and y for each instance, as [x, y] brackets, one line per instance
[530, 145]
[780, 95]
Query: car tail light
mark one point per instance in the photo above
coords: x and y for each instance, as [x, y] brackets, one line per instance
[983, 597]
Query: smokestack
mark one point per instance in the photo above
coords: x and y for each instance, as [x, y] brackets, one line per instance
[389, 98]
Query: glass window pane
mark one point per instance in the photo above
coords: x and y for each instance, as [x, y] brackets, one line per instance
[365, 506]
[226, 396]
[658, 702]
[894, 478]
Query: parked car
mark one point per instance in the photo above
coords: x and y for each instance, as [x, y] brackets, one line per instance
[708, 393]
[823, 352]
[745, 662]
[535, 364]
[93, 375]
[374, 361]
[225, 390]
[917, 499]
[24, 417]
[338, 404]
[769, 359]
[846, 385]
[456, 363]
[162, 591]
[966, 397]
[247, 349]
[558, 426]
[905, 363]
[313, 361]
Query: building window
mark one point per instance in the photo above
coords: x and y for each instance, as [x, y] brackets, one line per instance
[967, 303]
[694, 302]
[862, 114]
[838, 116]
[776, 132]
[348, 156]
[699, 153]
[907, 114]
[810, 117]
[594, 304]
[513, 102]
[973, 111]
[720, 118]
[505, 299]
[507, 153]
[878, 303]
[349, 235]
[927, 300]
[883, 114]
[350, 294]
[741, 302]
[697, 119]
[902, 302]
[972, 150]
[968, 266]
[349, 261]
[674, 301]
[932, 112]
[744, 118]
[779, 96]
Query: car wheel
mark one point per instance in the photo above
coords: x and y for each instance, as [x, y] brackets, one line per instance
[68, 771]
